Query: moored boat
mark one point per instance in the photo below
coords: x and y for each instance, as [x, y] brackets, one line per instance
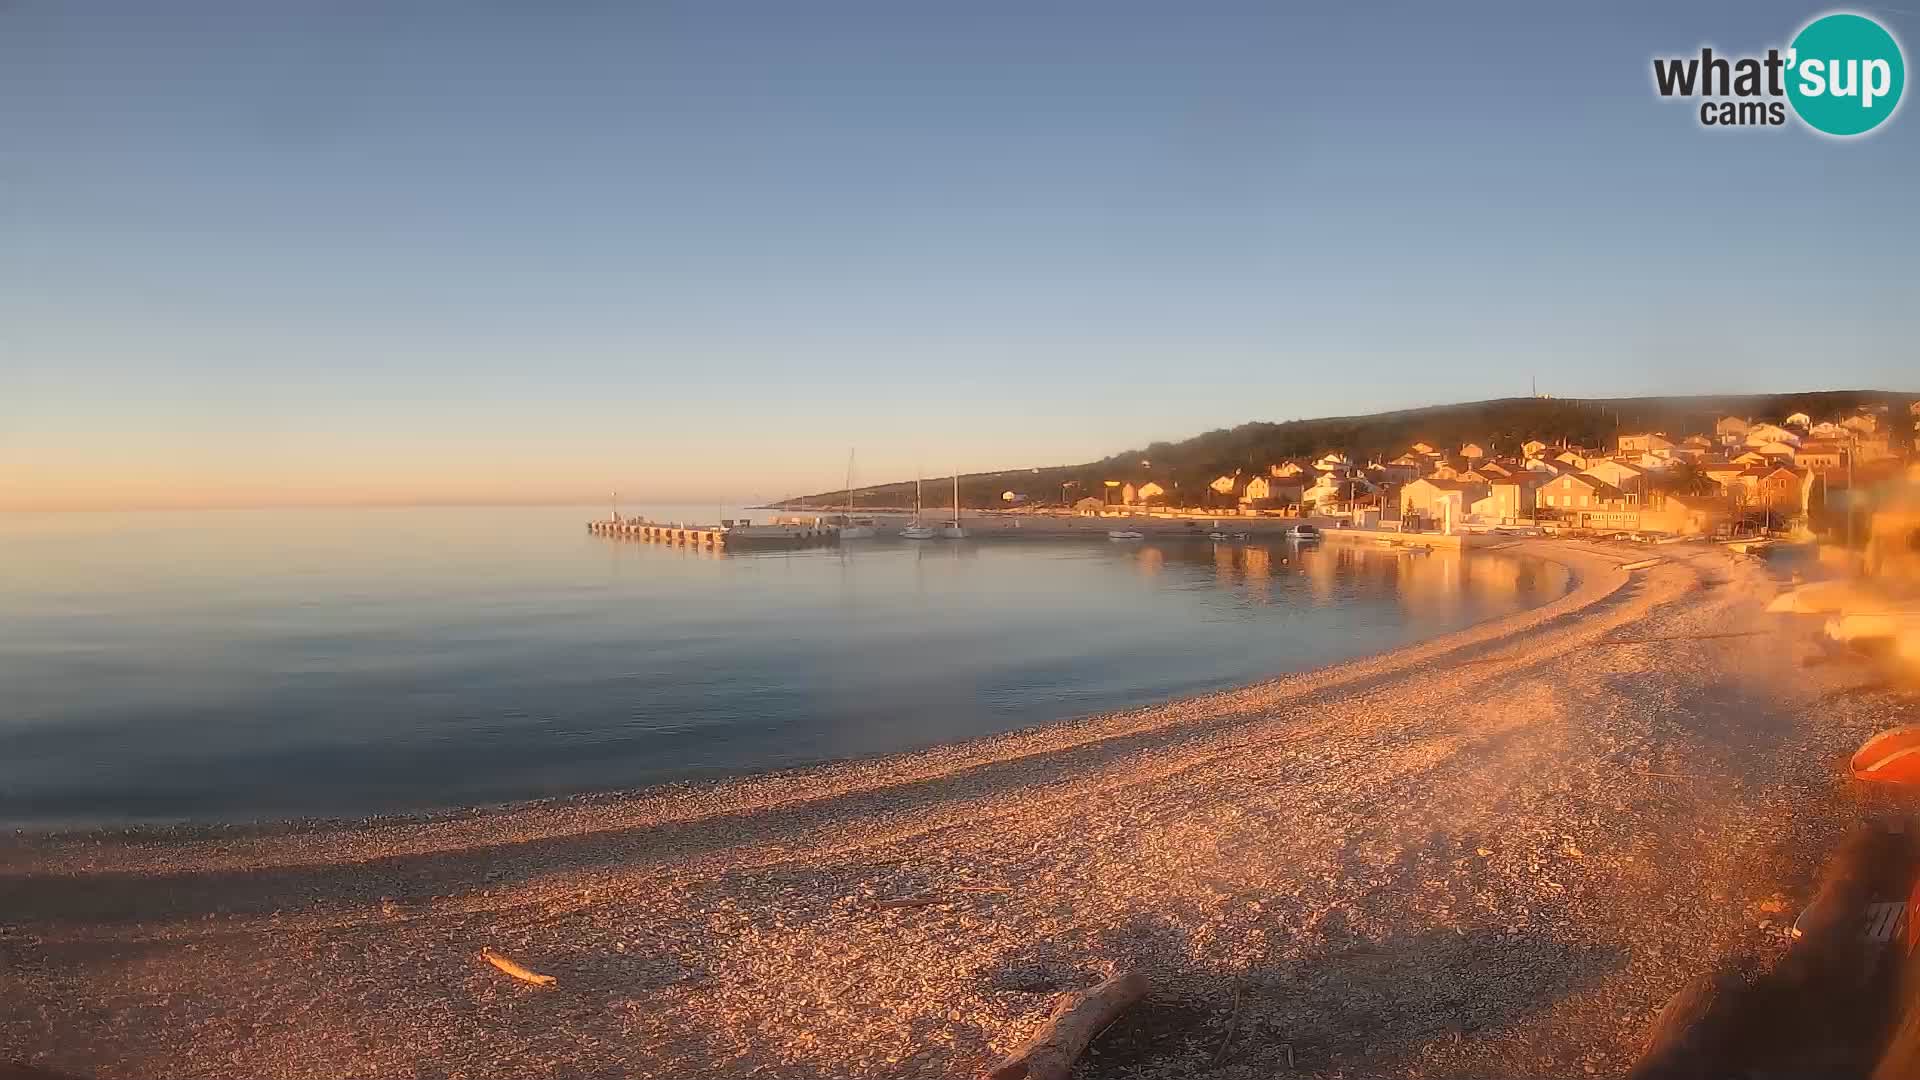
[917, 531]
[952, 529]
[854, 528]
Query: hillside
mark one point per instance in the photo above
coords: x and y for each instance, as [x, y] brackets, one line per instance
[1501, 425]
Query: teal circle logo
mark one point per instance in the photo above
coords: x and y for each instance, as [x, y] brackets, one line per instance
[1845, 74]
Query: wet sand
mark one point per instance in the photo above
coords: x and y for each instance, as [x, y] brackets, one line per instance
[1491, 854]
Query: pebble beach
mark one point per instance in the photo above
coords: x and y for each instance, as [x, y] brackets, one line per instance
[1495, 853]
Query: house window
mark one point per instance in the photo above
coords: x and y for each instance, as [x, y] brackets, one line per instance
[1583, 500]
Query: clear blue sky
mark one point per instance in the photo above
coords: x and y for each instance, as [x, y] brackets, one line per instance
[289, 252]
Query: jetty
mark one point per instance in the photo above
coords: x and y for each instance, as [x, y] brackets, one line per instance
[726, 536]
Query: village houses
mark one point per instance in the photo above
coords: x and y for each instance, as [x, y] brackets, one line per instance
[1651, 482]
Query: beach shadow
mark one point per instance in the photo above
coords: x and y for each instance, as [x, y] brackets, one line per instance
[1365, 1005]
[29, 1072]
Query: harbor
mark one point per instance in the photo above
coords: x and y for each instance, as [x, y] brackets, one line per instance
[803, 531]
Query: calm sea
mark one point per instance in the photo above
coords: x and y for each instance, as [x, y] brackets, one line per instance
[246, 664]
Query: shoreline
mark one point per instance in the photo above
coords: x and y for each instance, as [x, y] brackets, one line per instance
[1455, 858]
[743, 790]
[14, 838]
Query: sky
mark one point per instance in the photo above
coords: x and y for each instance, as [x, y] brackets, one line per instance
[291, 253]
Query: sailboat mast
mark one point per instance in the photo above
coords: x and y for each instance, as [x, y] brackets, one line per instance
[849, 487]
[956, 496]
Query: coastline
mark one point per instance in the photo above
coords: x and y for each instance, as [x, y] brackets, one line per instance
[362, 818]
[457, 827]
[1287, 834]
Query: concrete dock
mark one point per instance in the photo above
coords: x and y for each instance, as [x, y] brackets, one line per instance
[725, 536]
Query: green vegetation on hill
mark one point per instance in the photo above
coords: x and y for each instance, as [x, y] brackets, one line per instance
[1186, 467]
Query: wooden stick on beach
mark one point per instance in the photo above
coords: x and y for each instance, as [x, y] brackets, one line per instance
[1077, 1019]
[1233, 1024]
[515, 970]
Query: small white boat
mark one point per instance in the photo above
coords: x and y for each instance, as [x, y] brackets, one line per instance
[1125, 534]
[1218, 536]
[917, 531]
[1303, 531]
[854, 528]
[952, 529]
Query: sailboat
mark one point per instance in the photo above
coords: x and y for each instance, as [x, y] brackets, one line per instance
[953, 531]
[853, 528]
[917, 531]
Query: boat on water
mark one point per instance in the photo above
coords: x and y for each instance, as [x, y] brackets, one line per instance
[783, 532]
[1303, 531]
[1125, 534]
[952, 530]
[851, 527]
[917, 531]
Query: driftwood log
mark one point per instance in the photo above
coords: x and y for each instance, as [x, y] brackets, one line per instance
[1077, 1019]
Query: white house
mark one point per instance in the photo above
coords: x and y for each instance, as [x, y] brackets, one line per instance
[1768, 433]
[1393, 472]
[1651, 442]
[1618, 473]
